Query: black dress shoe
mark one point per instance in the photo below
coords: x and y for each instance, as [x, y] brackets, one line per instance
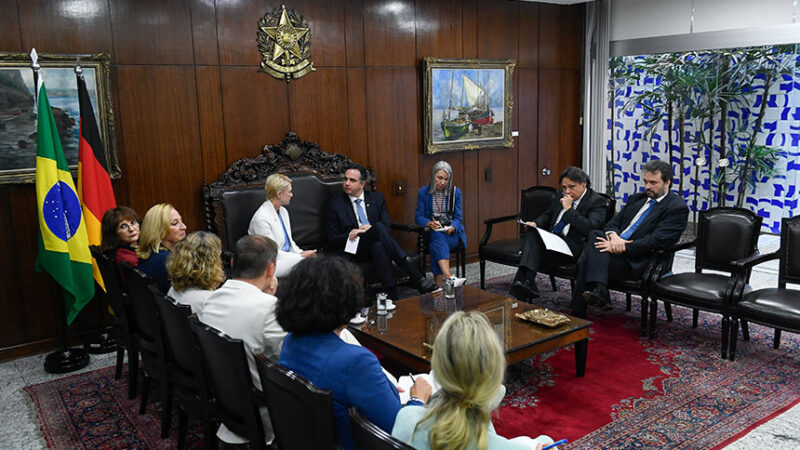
[523, 291]
[425, 285]
[598, 297]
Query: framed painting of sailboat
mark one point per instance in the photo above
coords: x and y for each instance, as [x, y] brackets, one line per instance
[468, 104]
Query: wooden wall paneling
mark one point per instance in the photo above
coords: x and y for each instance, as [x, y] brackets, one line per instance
[357, 115]
[37, 297]
[438, 29]
[120, 185]
[561, 36]
[327, 23]
[204, 32]
[212, 131]
[389, 33]
[255, 111]
[237, 24]
[354, 32]
[473, 226]
[571, 132]
[152, 32]
[394, 135]
[319, 111]
[10, 38]
[11, 302]
[497, 188]
[527, 141]
[497, 29]
[163, 164]
[469, 28]
[528, 35]
[65, 27]
[559, 133]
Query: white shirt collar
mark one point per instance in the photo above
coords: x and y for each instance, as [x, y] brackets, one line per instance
[353, 199]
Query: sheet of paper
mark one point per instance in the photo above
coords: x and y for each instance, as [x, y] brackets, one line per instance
[351, 246]
[554, 242]
[405, 382]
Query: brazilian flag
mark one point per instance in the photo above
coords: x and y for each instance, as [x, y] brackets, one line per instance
[63, 241]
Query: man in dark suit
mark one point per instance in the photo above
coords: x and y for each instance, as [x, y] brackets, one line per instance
[653, 219]
[572, 216]
[357, 213]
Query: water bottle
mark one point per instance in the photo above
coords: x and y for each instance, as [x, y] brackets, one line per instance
[381, 308]
[449, 289]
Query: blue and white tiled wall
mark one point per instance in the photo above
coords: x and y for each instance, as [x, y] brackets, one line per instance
[773, 198]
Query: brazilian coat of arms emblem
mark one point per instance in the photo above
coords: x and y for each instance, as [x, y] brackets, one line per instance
[284, 38]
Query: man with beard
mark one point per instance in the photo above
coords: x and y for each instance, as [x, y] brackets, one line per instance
[653, 219]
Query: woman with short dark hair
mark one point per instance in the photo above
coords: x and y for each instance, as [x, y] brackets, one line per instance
[315, 304]
[119, 231]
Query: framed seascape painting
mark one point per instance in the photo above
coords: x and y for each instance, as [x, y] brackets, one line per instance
[18, 111]
[468, 104]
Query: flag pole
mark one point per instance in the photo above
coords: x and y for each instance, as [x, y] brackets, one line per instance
[102, 341]
[67, 359]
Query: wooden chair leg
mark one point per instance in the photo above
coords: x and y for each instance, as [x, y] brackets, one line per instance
[745, 331]
[553, 282]
[166, 408]
[776, 340]
[726, 324]
[133, 373]
[145, 393]
[653, 317]
[627, 301]
[644, 318]
[483, 274]
[120, 361]
[668, 311]
[572, 286]
[695, 317]
[734, 336]
[183, 422]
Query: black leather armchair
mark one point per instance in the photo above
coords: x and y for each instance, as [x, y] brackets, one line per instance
[724, 235]
[534, 201]
[777, 307]
[368, 436]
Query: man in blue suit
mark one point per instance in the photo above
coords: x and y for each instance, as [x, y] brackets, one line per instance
[357, 213]
[651, 220]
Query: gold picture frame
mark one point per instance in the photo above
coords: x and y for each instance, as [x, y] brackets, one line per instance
[17, 110]
[468, 104]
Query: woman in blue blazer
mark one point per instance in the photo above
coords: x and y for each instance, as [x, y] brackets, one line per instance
[439, 210]
[315, 304]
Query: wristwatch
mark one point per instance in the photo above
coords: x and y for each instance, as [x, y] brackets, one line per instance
[411, 399]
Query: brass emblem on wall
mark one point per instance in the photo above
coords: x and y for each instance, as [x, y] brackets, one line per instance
[284, 38]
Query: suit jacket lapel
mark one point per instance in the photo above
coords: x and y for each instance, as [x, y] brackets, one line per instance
[350, 212]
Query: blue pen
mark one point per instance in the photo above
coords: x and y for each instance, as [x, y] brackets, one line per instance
[563, 441]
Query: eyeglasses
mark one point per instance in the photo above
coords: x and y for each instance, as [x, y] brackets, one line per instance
[127, 226]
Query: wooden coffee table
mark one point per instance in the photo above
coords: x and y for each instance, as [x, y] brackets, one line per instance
[406, 334]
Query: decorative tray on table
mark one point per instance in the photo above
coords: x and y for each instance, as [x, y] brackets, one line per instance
[544, 317]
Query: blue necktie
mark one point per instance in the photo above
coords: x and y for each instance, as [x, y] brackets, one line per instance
[286, 244]
[361, 216]
[562, 223]
[627, 234]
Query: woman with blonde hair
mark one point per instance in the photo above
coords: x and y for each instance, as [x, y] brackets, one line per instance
[469, 364]
[195, 269]
[161, 229]
[272, 220]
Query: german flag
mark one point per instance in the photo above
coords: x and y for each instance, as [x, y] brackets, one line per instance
[94, 184]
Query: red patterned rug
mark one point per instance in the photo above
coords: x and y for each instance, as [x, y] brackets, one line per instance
[92, 411]
[673, 391]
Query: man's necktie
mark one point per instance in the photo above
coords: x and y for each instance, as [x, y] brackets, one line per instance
[559, 226]
[627, 234]
[362, 217]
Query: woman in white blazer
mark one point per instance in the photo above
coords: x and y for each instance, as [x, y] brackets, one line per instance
[272, 220]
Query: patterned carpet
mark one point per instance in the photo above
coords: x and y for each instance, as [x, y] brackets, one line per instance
[92, 411]
[673, 391]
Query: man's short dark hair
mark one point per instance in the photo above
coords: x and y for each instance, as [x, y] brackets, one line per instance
[575, 174]
[658, 166]
[252, 255]
[320, 295]
[361, 169]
